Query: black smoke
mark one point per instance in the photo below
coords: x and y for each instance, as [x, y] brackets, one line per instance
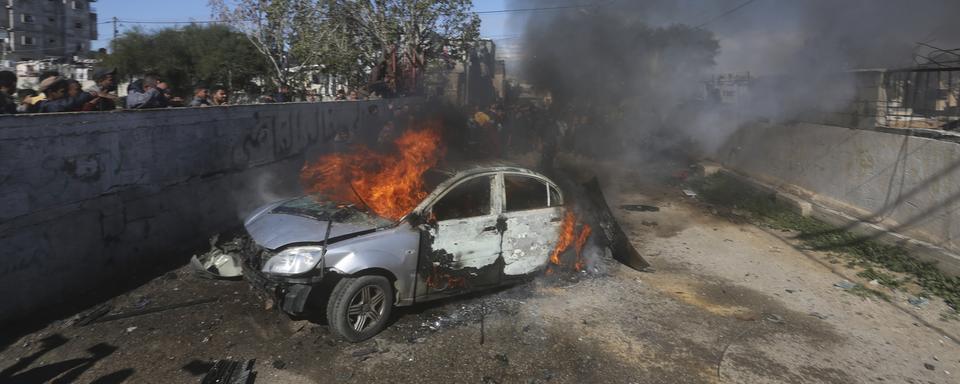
[638, 66]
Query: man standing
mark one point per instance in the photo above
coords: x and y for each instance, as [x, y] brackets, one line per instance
[200, 96]
[57, 98]
[104, 91]
[147, 93]
[220, 96]
[8, 87]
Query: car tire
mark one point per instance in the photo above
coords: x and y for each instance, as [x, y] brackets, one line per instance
[359, 307]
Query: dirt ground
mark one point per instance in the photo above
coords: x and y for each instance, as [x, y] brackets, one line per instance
[727, 302]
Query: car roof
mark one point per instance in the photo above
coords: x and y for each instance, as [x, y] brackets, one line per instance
[467, 169]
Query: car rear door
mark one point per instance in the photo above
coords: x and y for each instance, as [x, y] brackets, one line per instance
[533, 211]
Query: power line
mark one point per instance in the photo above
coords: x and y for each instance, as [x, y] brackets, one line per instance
[727, 12]
[169, 22]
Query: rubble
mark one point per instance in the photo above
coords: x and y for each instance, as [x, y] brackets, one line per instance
[640, 208]
[220, 261]
[231, 372]
[145, 311]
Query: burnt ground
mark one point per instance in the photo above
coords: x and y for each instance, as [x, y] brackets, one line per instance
[727, 302]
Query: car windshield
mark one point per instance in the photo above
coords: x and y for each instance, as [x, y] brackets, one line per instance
[315, 207]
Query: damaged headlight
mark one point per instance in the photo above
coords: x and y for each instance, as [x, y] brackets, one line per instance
[294, 260]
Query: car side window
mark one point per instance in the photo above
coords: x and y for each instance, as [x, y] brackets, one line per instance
[524, 193]
[469, 199]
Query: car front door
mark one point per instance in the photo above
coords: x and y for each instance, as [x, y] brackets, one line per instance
[533, 209]
[461, 243]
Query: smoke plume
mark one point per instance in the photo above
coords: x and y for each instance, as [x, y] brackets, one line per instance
[637, 67]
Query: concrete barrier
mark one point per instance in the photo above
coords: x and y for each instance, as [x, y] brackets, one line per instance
[898, 181]
[87, 198]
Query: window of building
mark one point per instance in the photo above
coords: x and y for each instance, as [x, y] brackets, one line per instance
[51, 20]
[26, 18]
[78, 25]
[26, 40]
[52, 41]
[77, 4]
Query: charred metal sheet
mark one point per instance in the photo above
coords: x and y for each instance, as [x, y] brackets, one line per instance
[611, 232]
[529, 239]
[217, 265]
[231, 372]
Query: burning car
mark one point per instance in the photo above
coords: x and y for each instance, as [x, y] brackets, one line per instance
[479, 228]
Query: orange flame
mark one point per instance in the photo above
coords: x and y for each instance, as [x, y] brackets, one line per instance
[390, 184]
[568, 238]
[581, 242]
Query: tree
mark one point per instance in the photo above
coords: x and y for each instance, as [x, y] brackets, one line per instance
[186, 56]
[282, 32]
[400, 37]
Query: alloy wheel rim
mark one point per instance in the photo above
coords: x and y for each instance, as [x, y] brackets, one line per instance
[366, 308]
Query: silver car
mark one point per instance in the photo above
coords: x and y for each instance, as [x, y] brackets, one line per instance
[478, 229]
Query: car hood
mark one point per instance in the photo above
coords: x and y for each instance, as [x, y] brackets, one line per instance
[305, 220]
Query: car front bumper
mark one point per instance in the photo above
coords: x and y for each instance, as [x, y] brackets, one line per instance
[289, 294]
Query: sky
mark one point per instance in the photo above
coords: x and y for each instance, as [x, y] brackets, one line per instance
[496, 25]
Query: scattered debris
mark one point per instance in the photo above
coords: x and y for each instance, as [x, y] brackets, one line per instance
[929, 366]
[131, 329]
[142, 302]
[640, 208]
[217, 265]
[819, 315]
[918, 301]
[844, 285]
[649, 223]
[364, 352]
[231, 372]
[279, 364]
[93, 314]
[124, 315]
[502, 358]
[790, 290]
[776, 319]
[689, 193]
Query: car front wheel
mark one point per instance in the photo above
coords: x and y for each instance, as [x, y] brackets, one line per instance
[360, 306]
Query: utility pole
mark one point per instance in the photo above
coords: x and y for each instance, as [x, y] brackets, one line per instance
[115, 30]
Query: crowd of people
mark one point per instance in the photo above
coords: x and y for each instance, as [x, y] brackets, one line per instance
[498, 130]
[55, 93]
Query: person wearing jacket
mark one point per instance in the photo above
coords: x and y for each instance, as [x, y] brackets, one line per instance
[8, 88]
[58, 100]
[147, 93]
[104, 90]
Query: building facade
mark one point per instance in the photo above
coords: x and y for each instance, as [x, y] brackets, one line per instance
[38, 29]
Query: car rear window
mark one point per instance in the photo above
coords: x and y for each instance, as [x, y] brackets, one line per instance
[524, 193]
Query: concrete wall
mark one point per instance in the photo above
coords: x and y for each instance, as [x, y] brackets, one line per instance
[88, 198]
[907, 181]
